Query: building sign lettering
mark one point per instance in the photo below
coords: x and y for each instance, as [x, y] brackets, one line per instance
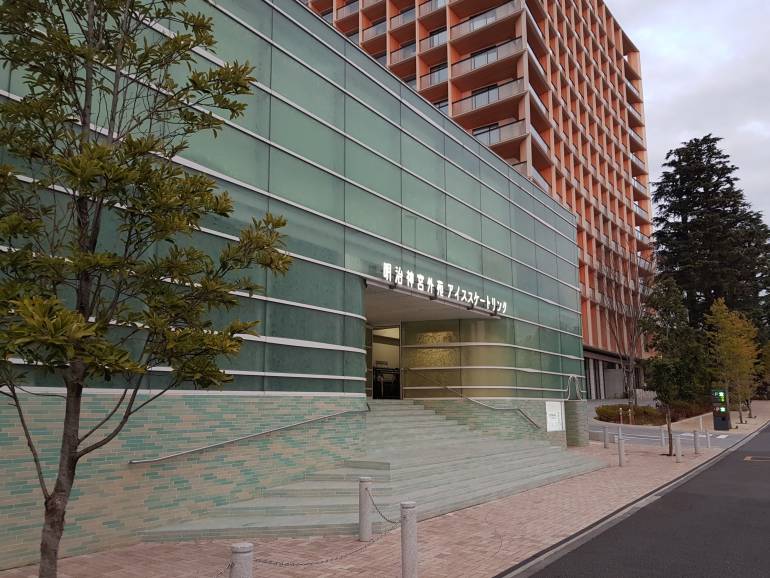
[395, 275]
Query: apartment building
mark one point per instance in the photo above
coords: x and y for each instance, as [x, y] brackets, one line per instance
[554, 88]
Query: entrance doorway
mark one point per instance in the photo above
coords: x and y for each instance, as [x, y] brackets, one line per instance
[386, 363]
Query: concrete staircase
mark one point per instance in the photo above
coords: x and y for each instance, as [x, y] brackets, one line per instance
[412, 454]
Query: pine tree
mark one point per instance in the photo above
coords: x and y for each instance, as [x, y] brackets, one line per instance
[708, 238]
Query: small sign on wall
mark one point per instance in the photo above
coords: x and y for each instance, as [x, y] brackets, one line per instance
[554, 414]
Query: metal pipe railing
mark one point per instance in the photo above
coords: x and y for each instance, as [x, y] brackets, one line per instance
[249, 436]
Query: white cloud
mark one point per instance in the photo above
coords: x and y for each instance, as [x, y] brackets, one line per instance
[705, 70]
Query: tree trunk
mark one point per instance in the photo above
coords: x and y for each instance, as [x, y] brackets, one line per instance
[751, 414]
[56, 503]
[740, 410]
[670, 433]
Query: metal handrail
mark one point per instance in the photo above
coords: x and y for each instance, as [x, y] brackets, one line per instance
[249, 436]
[521, 411]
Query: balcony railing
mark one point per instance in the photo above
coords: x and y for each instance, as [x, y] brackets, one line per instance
[639, 186]
[635, 159]
[644, 263]
[538, 179]
[539, 103]
[633, 89]
[485, 19]
[433, 78]
[431, 6]
[480, 100]
[534, 60]
[634, 113]
[506, 132]
[369, 3]
[347, 10]
[636, 138]
[403, 53]
[540, 140]
[433, 41]
[405, 17]
[642, 237]
[487, 57]
[375, 31]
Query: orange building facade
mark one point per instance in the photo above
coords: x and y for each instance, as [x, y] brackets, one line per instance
[554, 88]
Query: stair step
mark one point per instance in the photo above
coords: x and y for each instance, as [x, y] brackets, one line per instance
[412, 453]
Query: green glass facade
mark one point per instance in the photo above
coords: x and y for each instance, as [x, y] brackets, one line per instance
[367, 173]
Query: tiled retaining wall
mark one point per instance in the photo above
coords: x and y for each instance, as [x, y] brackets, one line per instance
[504, 424]
[112, 501]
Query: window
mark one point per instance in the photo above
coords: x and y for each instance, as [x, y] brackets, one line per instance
[442, 106]
[382, 58]
[484, 96]
[328, 16]
[411, 82]
[483, 57]
[437, 74]
[437, 38]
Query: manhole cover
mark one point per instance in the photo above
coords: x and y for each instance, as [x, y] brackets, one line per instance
[756, 459]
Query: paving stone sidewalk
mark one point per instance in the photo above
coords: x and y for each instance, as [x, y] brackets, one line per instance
[476, 542]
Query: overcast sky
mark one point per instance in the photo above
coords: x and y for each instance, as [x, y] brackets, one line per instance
[706, 68]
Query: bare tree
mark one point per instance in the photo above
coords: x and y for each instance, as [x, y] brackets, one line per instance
[623, 298]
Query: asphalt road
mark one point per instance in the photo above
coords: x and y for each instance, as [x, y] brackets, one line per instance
[647, 435]
[716, 524]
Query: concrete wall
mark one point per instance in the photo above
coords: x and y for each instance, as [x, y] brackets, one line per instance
[112, 500]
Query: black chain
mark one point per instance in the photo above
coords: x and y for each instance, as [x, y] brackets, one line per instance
[383, 516]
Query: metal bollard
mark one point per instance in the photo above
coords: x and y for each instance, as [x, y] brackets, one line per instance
[678, 448]
[695, 442]
[364, 509]
[663, 437]
[606, 433]
[242, 560]
[408, 540]
[708, 440]
[621, 452]
[700, 421]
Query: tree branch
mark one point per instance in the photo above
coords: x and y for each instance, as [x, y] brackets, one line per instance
[30, 441]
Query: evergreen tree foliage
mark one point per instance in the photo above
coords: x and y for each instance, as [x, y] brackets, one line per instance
[678, 369]
[708, 238]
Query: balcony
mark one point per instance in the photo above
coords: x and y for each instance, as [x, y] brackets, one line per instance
[430, 7]
[505, 139]
[488, 67]
[644, 264]
[538, 179]
[433, 86]
[347, 10]
[433, 48]
[642, 238]
[632, 93]
[376, 31]
[536, 70]
[402, 61]
[483, 29]
[539, 104]
[637, 144]
[366, 4]
[637, 166]
[406, 17]
[486, 107]
[640, 188]
[540, 142]
[634, 117]
[465, 8]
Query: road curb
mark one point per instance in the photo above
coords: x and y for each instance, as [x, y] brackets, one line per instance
[548, 555]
